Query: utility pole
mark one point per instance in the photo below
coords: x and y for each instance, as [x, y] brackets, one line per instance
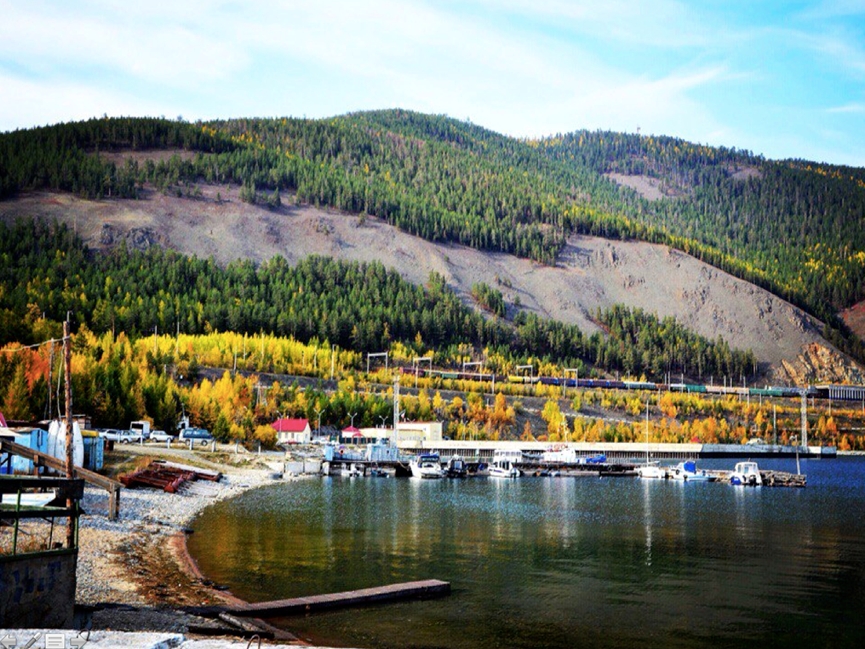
[775, 422]
[395, 407]
[70, 467]
[50, 378]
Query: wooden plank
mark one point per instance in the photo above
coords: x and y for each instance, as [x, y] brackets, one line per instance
[58, 465]
[427, 588]
[203, 474]
[38, 458]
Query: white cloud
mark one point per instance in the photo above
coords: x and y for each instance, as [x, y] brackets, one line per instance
[848, 108]
[662, 23]
[25, 103]
[50, 39]
[522, 67]
[834, 9]
[836, 48]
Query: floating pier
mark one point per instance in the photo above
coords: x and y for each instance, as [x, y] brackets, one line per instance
[425, 589]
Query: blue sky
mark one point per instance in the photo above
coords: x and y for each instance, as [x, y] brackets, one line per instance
[785, 79]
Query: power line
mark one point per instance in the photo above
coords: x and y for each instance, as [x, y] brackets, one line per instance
[33, 346]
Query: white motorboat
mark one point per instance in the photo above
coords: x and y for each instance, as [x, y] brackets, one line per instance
[746, 474]
[688, 472]
[503, 469]
[427, 466]
[652, 470]
[352, 471]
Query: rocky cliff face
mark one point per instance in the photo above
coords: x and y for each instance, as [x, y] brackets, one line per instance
[819, 364]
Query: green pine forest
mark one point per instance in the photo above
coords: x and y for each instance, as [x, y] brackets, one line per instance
[792, 226]
[46, 273]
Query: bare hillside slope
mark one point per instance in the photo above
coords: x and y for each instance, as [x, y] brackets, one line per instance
[591, 273]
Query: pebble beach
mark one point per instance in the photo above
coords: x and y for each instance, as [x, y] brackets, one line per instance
[107, 559]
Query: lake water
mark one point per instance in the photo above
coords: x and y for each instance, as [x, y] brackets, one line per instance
[557, 562]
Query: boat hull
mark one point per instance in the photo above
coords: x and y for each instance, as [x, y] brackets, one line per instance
[652, 472]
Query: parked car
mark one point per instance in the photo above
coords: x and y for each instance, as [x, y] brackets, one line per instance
[161, 436]
[196, 434]
[119, 436]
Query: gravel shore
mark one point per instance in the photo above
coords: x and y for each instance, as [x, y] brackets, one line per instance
[110, 551]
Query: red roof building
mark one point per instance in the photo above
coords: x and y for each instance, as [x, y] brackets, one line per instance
[292, 431]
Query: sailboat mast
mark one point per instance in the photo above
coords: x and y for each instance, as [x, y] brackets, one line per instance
[647, 431]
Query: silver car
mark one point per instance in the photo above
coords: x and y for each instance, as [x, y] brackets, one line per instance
[161, 436]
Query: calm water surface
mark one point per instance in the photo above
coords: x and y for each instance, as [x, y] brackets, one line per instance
[540, 562]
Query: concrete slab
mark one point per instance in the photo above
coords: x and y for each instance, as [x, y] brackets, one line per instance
[64, 639]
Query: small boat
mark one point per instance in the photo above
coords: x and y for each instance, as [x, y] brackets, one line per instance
[504, 469]
[426, 466]
[652, 471]
[746, 474]
[29, 499]
[352, 471]
[456, 467]
[687, 471]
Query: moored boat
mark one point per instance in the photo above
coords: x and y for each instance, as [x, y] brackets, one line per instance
[503, 469]
[504, 463]
[351, 471]
[746, 474]
[427, 466]
[688, 472]
[652, 471]
[456, 467]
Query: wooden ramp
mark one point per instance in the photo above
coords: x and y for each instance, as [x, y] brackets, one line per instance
[425, 589]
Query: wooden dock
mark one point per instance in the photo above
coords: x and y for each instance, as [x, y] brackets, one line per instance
[426, 589]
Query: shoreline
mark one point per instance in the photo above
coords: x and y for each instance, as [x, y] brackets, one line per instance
[136, 573]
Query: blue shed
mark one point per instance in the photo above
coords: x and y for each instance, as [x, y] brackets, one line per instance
[35, 438]
[94, 450]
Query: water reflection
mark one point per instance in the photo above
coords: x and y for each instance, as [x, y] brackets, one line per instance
[647, 518]
[556, 562]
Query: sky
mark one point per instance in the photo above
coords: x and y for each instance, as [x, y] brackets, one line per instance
[781, 79]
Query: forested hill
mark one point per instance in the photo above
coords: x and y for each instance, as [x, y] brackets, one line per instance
[794, 227]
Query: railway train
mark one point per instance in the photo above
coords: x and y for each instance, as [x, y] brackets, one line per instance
[834, 392]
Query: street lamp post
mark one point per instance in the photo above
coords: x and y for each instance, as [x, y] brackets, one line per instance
[318, 413]
[795, 438]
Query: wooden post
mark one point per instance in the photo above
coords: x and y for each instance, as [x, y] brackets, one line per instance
[113, 503]
[70, 467]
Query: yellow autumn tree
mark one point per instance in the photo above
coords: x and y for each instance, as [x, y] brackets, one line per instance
[668, 406]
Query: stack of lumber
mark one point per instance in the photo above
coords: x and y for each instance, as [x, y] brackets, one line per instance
[167, 476]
